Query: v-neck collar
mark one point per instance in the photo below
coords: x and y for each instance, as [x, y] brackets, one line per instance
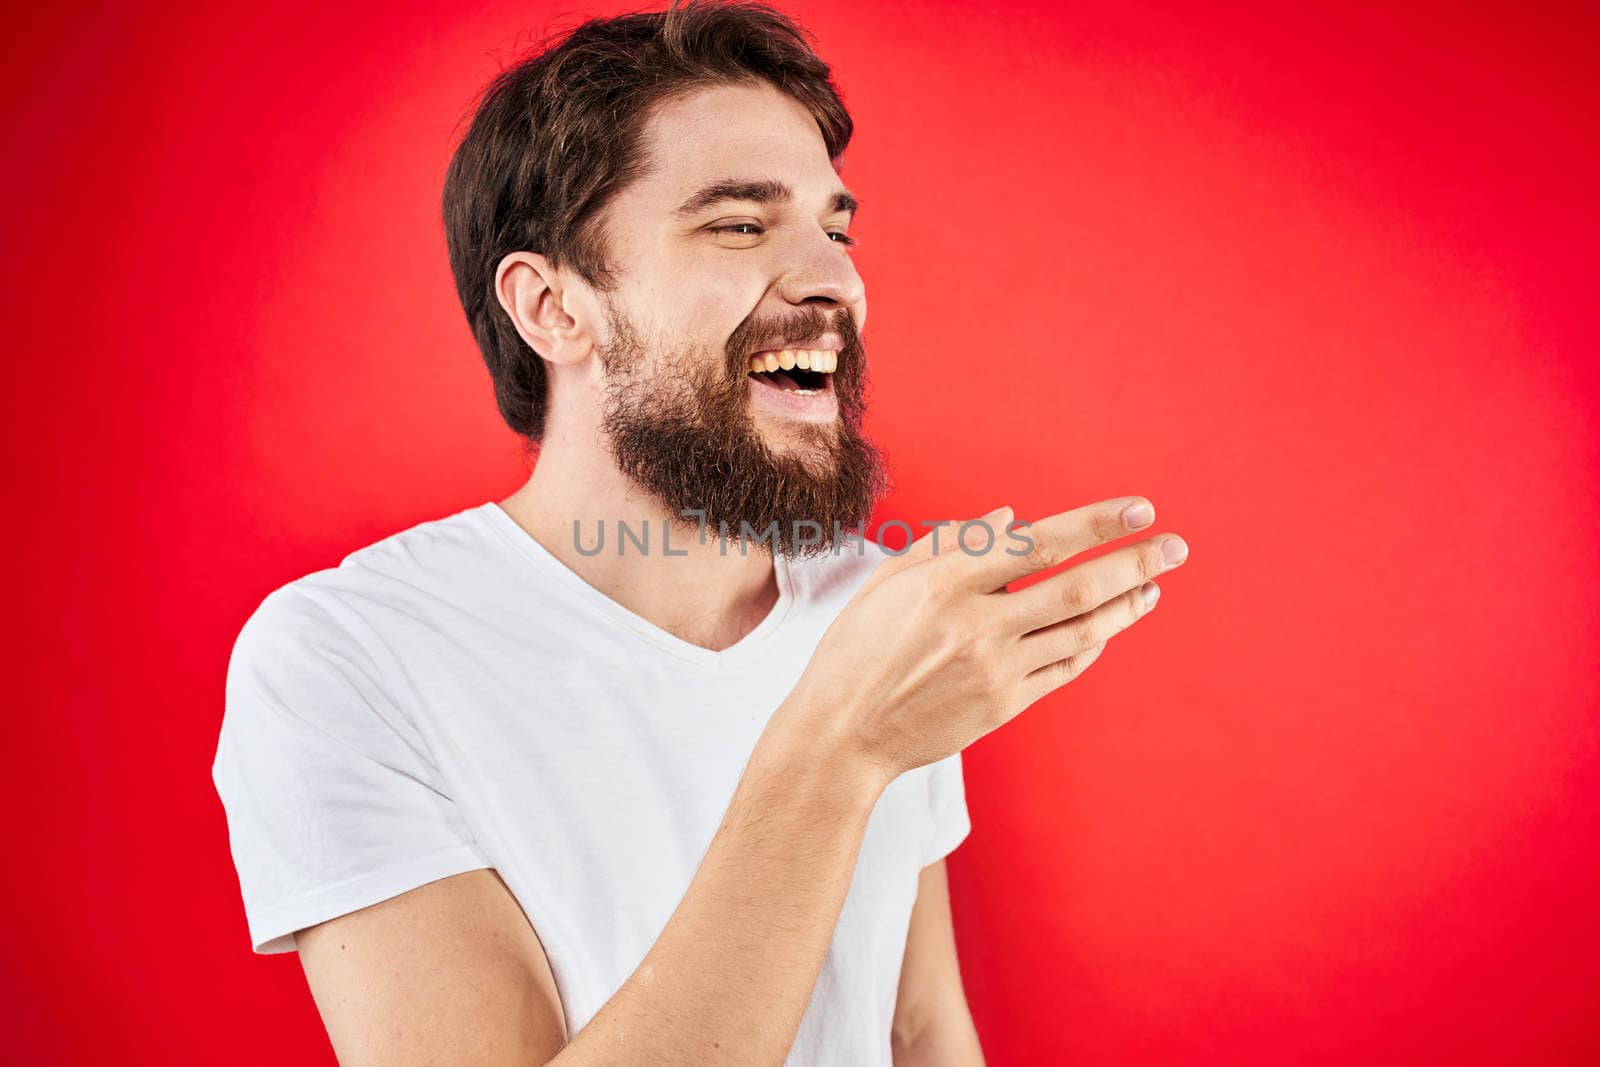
[742, 650]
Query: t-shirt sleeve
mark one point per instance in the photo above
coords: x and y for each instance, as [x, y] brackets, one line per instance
[947, 804]
[332, 801]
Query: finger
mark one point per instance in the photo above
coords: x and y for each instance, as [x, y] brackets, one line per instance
[1053, 676]
[1023, 548]
[1072, 636]
[1085, 586]
[923, 549]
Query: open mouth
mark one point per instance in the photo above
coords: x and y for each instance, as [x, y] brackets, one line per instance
[794, 370]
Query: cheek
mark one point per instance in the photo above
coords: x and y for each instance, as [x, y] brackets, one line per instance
[703, 298]
[714, 305]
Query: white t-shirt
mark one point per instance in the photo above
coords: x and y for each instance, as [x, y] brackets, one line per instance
[454, 697]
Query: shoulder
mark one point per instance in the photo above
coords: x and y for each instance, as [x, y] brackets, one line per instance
[436, 556]
[289, 620]
[295, 656]
[437, 559]
[312, 664]
[351, 624]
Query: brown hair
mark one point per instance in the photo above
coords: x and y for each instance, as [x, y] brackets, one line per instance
[559, 133]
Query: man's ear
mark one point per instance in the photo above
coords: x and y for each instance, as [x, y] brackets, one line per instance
[535, 296]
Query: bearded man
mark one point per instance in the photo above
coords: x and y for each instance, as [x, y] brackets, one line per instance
[651, 761]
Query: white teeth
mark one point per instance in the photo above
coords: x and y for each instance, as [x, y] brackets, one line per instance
[822, 360]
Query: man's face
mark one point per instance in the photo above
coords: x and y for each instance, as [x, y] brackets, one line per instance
[705, 288]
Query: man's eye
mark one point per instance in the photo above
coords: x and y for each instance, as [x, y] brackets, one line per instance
[751, 229]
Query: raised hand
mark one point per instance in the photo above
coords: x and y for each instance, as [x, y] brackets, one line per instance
[934, 651]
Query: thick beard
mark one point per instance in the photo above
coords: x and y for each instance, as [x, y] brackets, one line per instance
[680, 429]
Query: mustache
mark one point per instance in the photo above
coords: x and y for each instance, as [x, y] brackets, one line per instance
[754, 335]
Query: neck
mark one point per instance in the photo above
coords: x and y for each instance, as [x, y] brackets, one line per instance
[697, 593]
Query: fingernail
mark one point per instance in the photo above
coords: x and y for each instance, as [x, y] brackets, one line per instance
[1137, 515]
[1151, 593]
[1174, 551]
[998, 511]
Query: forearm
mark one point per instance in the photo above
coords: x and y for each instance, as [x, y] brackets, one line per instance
[729, 977]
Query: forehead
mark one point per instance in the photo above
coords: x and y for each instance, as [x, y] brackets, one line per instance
[732, 131]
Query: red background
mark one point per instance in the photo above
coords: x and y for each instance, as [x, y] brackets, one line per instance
[1320, 286]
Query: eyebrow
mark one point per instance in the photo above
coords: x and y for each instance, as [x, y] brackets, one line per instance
[759, 190]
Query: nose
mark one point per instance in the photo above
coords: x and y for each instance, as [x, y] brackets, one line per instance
[820, 273]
